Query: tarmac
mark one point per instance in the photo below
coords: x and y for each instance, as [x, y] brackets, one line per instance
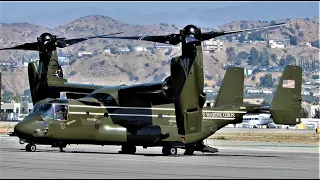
[234, 160]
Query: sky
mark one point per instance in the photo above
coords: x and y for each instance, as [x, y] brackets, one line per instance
[53, 14]
[17, 9]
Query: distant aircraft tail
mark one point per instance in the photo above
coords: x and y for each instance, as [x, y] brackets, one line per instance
[231, 89]
[286, 104]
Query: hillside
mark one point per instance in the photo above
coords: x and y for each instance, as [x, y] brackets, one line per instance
[137, 67]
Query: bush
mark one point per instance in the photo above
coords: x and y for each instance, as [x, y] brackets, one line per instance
[291, 30]
[72, 73]
[221, 138]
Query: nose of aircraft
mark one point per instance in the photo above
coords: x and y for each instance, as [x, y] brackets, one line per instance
[21, 129]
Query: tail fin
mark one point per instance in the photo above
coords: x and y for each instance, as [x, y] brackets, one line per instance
[231, 89]
[286, 103]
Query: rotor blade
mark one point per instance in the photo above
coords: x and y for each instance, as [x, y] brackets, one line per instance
[68, 42]
[212, 34]
[172, 39]
[27, 46]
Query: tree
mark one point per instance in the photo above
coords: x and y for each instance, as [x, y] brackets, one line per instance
[316, 43]
[264, 102]
[229, 38]
[266, 81]
[264, 58]
[273, 22]
[72, 60]
[293, 40]
[243, 26]
[274, 57]
[243, 55]
[316, 114]
[300, 34]
[290, 59]
[231, 54]
[219, 81]
[254, 57]
[7, 96]
[242, 38]
[130, 47]
[255, 36]
[304, 113]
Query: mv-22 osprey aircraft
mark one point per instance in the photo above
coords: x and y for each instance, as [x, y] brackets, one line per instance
[170, 114]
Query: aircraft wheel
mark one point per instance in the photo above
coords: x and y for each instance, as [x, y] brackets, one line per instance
[128, 149]
[31, 148]
[169, 150]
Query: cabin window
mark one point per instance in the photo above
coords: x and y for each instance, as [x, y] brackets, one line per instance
[61, 112]
[9, 110]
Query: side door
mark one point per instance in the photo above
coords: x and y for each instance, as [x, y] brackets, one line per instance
[58, 127]
[80, 124]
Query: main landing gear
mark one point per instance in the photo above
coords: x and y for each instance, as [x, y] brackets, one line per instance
[169, 150]
[200, 146]
[60, 146]
[31, 147]
[128, 149]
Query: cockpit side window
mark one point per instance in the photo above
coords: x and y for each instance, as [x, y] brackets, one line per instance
[61, 112]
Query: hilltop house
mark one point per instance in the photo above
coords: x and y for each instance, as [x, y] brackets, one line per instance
[276, 43]
[212, 45]
[84, 53]
[304, 44]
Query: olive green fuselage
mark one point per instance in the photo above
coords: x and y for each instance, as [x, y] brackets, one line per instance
[115, 125]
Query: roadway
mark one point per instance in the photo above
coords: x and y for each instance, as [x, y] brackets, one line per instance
[234, 160]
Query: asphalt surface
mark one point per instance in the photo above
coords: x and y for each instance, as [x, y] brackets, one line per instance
[234, 160]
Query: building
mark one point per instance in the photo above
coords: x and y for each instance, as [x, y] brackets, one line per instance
[276, 43]
[123, 50]
[107, 51]
[265, 91]
[212, 46]
[304, 44]
[162, 46]
[15, 111]
[84, 53]
[140, 49]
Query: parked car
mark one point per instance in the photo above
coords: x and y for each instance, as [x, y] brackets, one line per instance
[271, 125]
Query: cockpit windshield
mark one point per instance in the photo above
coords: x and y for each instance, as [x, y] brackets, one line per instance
[44, 110]
[51, 111]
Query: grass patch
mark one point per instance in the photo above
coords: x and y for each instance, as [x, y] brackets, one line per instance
[221, 138]
[306, 138]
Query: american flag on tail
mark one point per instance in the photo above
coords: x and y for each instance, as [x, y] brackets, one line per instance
[288, 84]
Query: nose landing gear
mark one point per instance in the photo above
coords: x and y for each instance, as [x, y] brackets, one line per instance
[31, 147]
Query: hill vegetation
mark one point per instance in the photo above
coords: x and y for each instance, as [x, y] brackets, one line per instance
[153, 65]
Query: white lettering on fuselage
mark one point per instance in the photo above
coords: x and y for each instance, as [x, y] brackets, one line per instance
[218, 115]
